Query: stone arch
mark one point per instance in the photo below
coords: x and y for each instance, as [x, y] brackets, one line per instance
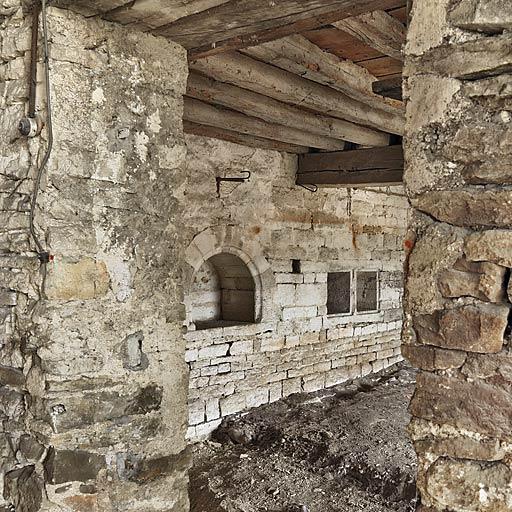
[217, 248]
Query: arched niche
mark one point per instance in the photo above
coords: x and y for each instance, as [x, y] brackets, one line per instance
[229, 281]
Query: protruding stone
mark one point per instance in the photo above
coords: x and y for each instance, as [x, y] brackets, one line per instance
[439, 247]
[484, 281]
[462, 448]
[494, 245]
[471, 405]
[473, 328]
[433, 358]
[489, 16]
[72, 466]
[11, 376]
[468, 207]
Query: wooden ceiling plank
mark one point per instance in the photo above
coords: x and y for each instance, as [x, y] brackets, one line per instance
[90, 7]
[262, 78]
[273, 111]
[377, 29]
[241, 23]
[298, 55]
[239, 138]
[156, 13]
[383, 66]
[357, 179]
[202, 113]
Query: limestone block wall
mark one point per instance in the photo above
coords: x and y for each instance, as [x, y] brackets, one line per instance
[268, 222]
[92, 376]
[458, 292]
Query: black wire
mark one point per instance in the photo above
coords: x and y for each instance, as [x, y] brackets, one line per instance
[42, 253]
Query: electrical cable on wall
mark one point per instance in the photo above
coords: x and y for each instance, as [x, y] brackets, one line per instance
[43, 254]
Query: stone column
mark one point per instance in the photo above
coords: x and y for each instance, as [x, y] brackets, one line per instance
[93, 403]
[459, 180]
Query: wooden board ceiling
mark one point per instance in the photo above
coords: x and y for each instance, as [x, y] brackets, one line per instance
[294, 75]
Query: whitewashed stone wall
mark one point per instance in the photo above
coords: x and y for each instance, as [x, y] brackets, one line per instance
[92, 379]
[296, 346]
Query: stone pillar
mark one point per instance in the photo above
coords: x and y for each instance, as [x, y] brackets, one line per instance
[459, 180]
[94, 383]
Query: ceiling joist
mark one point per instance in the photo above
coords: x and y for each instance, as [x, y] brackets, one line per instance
[248, 73]
[273, 111]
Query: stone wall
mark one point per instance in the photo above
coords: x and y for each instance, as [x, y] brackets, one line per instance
[268, 222]
[93, 381]
[459, 179]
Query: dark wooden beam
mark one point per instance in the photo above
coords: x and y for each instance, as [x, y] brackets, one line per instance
[389, 157]
[242, 23]
[353, 179]
[357, 168]
[389, 87]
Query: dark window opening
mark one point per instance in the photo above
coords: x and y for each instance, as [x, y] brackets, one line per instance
[296, 267]
[339, 292]
[367, 291]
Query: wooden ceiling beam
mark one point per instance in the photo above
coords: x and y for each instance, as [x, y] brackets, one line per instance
[239, 138]
[262, 78]
[300, 56]
[354, 179]
[273, 111]
[377, 29]
[199, 112]
[241, 23]
[357, 168]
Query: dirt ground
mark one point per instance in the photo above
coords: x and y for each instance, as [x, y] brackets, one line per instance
[339, 450]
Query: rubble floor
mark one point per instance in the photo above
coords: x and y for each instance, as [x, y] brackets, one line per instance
[343, 449]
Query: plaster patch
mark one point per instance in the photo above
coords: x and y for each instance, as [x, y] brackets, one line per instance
[98, 96]
[154, 122]
[141, 148]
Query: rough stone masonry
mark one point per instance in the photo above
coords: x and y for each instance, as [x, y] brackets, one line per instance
[458, 293]
[93, 379]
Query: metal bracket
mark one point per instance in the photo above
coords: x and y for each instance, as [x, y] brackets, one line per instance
[310, 188]
[241, 179]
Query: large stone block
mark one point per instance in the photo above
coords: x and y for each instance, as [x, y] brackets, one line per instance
[475, 406]
[81, 280]
[484, 281]
[432, 358]
[469, 486]
[468, 207]
[473, 328]
[494, 245]
[80, 410]
[480, 58]
[489, 16]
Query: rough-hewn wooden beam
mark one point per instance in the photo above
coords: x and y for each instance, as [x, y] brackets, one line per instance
[90, 7]
[389, 88]
[242, 23]
[377, 29]
[273, 111]
[300, 56]
[199, 112]
[239, 138]
[372, 159]
[248, 73]
[352, 179]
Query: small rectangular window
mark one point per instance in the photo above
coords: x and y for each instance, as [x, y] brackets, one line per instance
[367, 284]
[339, 292]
